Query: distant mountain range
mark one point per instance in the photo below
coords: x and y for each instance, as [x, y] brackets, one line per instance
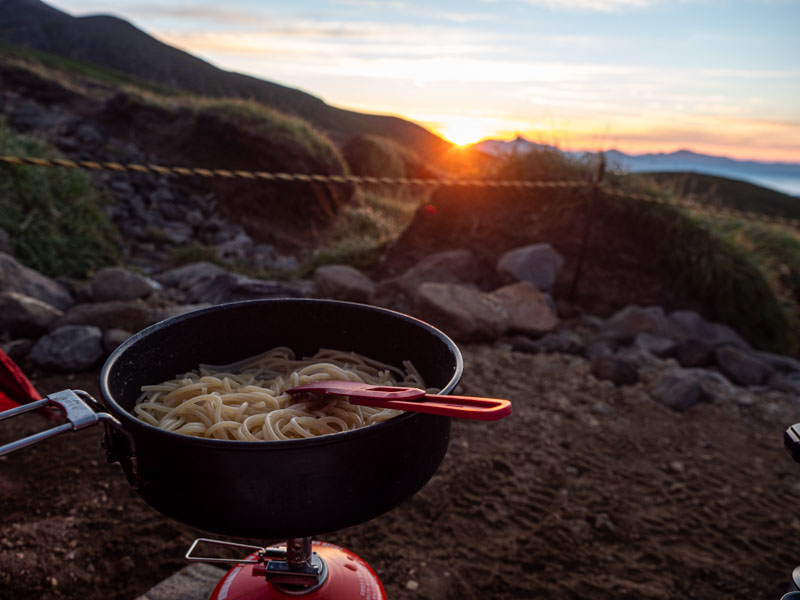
[115, 43]
[784, 177]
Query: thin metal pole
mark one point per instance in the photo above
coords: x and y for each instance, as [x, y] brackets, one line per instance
[594, 197]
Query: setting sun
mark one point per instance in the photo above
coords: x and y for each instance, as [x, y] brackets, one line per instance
[462, 130]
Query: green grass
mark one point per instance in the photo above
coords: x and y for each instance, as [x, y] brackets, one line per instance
[179, 256]
[363, 231]
[269, 122]
[53, 217]
[373, 156]
[725, 275]
[714, 190]
[67, 70]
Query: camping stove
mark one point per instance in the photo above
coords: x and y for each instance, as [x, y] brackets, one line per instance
[302, 568]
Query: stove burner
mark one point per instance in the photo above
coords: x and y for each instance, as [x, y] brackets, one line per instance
[311, 570]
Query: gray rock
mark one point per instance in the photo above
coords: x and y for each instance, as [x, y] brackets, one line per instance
[342, 282]
[451, 266]
[89, 134]
[116, 283]
[679, 391]
[15, 277]
[601, 408]
[28, 115]
[657, 345]
[598, 348]
[121, 188]
[69, 348]
[23, 316]
[162, 195]
[688, 324]
[17, 350]
[521, 343]
[527, 307]
[637, 356]
[113, 338]
[592, 322]
[556, 342]
[693, 353]
[537, 264]
[740, 366]
[231, 287]
[614, 369]
[131, 315]
[236, 249]
[262, 257]
[714, 384]
[189, 276]
[787, 383]
[177, 232]
[784, 364]
[286, 263]
[632, 320]
[462, 312]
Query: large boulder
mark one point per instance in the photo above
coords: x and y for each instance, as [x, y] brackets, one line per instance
[633, 320]
[14, 277]
[451, 266]
[131, 315]
[537, 264]
[116, 283]
[342, 282]
[740, 366]
[69, 348]
[527, 307]
[23, 316]
[207, 283]
[679, 390]
[233, 287]
[462, 312]
[688, 324]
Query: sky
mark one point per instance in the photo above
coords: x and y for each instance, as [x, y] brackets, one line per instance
[717, 77]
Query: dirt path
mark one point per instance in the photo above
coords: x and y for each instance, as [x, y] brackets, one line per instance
[586, 491]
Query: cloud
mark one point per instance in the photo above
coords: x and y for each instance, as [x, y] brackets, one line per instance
[592, 5]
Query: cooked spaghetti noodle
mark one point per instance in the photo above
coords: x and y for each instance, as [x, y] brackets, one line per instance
[247, 400]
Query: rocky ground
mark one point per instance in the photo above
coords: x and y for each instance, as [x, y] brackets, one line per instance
[589, 490]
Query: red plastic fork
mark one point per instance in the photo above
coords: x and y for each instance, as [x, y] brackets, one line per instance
[411, 399]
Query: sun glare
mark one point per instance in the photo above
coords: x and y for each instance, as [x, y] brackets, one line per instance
[463, 131]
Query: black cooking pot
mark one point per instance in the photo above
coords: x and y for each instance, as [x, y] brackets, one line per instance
[283, 489]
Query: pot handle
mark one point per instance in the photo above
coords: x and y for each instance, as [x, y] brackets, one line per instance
[81, 411]
[78, 414]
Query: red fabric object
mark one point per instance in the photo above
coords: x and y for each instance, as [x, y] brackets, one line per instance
[15, 388]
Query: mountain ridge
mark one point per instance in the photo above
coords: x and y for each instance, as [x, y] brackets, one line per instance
[116, 43]
[769, 174]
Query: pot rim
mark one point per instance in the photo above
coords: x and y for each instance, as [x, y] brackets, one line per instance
[130, 420]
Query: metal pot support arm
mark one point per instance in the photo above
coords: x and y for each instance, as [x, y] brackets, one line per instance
[81, 411]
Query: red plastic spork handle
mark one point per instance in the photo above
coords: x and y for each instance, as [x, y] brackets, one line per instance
[411, 399]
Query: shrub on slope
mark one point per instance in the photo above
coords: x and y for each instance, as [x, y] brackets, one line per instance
[53, 217]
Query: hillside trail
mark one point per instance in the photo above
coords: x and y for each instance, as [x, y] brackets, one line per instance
[586, 491]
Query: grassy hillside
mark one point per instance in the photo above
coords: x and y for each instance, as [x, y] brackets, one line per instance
[115, 43]
[637, 252]
[721, 191]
